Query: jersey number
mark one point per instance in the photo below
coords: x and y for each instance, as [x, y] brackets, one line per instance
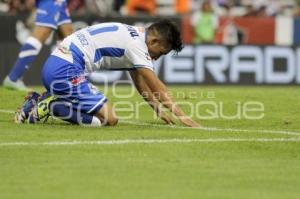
[107, 51]
[96, 30]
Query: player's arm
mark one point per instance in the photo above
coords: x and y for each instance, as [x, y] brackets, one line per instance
[148, 96]
[160, 90]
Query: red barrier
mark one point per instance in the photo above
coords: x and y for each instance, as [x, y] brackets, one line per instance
[251, 30]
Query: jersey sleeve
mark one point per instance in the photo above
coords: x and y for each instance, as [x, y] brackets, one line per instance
[138, 54]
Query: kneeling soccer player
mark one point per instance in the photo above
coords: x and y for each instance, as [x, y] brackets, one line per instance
[112, 46]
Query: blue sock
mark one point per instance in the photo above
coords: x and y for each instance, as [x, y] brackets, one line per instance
[27, 54]
[65, 111]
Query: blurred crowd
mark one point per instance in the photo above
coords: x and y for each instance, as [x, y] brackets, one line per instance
[203, 15]
[164, 7]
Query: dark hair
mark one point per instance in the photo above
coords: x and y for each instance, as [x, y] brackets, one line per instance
[169, 33]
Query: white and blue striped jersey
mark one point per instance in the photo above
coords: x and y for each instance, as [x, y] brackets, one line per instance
[110, 46]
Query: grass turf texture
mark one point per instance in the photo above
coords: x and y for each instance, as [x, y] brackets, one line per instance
[247, 169]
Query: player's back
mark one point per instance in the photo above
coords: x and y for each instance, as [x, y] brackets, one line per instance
[105, 39]
[109, 46]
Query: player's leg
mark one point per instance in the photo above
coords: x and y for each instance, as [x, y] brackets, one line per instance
[107, 115]
[66, 111]
[77, 100]
[69, 112]
[64, 31]
[45, 22]
[35, 111]
[29, 51]
[84, 105]
[27, 55]
[64, 23]
[35, 106]
[39, 107]
[30, 102]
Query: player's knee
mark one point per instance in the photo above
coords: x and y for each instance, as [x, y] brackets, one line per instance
[41, 33]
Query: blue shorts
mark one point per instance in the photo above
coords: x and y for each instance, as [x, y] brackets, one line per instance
[52, 13]
[66, 81]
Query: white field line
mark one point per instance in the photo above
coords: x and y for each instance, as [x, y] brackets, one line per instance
[212, 129]
[7, 111]
[147, 141]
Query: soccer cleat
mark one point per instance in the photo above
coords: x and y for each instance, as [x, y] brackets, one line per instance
[43, 105]
[33, 116]
[30, 102]
[18, 85]
[19, 116]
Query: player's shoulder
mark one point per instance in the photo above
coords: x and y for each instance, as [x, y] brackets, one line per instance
[106, 26]
[136, 36]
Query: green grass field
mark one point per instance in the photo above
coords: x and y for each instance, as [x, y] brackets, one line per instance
[143, 158]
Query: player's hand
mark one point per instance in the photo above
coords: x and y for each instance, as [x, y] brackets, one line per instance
[166, 118]
[189, 122]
